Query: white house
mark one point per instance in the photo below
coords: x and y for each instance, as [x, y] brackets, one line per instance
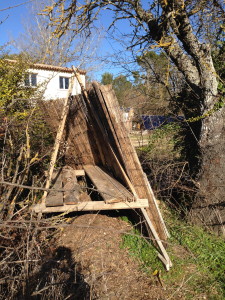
[53, 81]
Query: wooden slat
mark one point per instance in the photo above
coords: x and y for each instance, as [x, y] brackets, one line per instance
[81, 148]
[91, 206]
[71, 187]
[55, 198]
[158, 240]
[108, 187]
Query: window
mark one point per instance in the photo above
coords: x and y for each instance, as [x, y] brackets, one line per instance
[30, 79]
[63, 83]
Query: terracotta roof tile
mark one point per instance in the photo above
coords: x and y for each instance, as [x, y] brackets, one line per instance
[50, 67]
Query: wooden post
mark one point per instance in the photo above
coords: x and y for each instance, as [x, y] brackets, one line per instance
[156, 205]
[158, 241]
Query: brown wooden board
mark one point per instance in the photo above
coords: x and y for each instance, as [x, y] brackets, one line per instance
[91, 206]
[108, 187]
[79, 145]
[99, 134]
[71, 187]
[55, 198]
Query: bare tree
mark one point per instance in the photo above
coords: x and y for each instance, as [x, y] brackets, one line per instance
[179, 28]
[40, 44]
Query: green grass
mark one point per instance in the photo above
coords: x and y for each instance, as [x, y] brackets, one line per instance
[198, 258]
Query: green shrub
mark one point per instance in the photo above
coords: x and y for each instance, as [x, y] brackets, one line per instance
[164, 142]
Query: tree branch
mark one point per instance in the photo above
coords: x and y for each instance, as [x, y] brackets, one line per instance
[14, 6]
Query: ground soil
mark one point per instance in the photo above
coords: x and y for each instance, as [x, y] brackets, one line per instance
[106, 270]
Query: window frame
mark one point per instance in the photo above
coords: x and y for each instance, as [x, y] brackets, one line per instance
[28, 80]
[63, 85]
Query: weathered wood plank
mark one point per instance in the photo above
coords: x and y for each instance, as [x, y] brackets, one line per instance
[91, 206]
[71, 187]
[108, 187]
[157, 240]
[79, 173]
[55, 198]
[78, 134]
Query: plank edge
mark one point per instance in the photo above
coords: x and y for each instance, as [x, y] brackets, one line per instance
[91, 205]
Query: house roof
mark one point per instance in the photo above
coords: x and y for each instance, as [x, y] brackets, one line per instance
[50, 67]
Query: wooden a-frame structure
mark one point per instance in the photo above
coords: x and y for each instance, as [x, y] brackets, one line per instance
[98, 147]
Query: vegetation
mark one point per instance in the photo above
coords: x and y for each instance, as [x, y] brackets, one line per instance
[123, 88]
[185, 164]
[11, 88]
[198, 260]
[24, 139]
[164, 143]
[147, 90]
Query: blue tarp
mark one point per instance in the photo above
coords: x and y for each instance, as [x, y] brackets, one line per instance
[153, 122]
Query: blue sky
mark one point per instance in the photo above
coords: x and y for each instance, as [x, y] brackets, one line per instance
[12, 27]
[12, 20]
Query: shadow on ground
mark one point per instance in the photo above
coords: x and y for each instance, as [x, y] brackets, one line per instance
[59, 278]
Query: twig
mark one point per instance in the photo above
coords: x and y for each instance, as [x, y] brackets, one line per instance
[14, 6]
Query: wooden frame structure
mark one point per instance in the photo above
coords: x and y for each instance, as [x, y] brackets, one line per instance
[98, 144]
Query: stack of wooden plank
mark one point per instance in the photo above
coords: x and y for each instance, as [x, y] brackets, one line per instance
[66, 194]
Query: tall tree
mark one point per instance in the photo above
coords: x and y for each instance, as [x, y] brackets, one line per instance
[181, 29]
[123, 90]
[154, 81]
[126, 93]
[107, 78]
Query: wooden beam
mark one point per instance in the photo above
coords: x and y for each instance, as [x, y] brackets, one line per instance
[58, 139]
[157, 207]
[91, 205]
[55, 198]
[79, 173]
[158, 241]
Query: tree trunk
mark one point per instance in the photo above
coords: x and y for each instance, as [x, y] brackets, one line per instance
[206, 139]
[208, 207]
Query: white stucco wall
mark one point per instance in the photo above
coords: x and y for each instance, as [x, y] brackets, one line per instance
[48, 83]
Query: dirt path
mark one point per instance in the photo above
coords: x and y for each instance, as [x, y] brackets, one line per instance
[103, 269]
